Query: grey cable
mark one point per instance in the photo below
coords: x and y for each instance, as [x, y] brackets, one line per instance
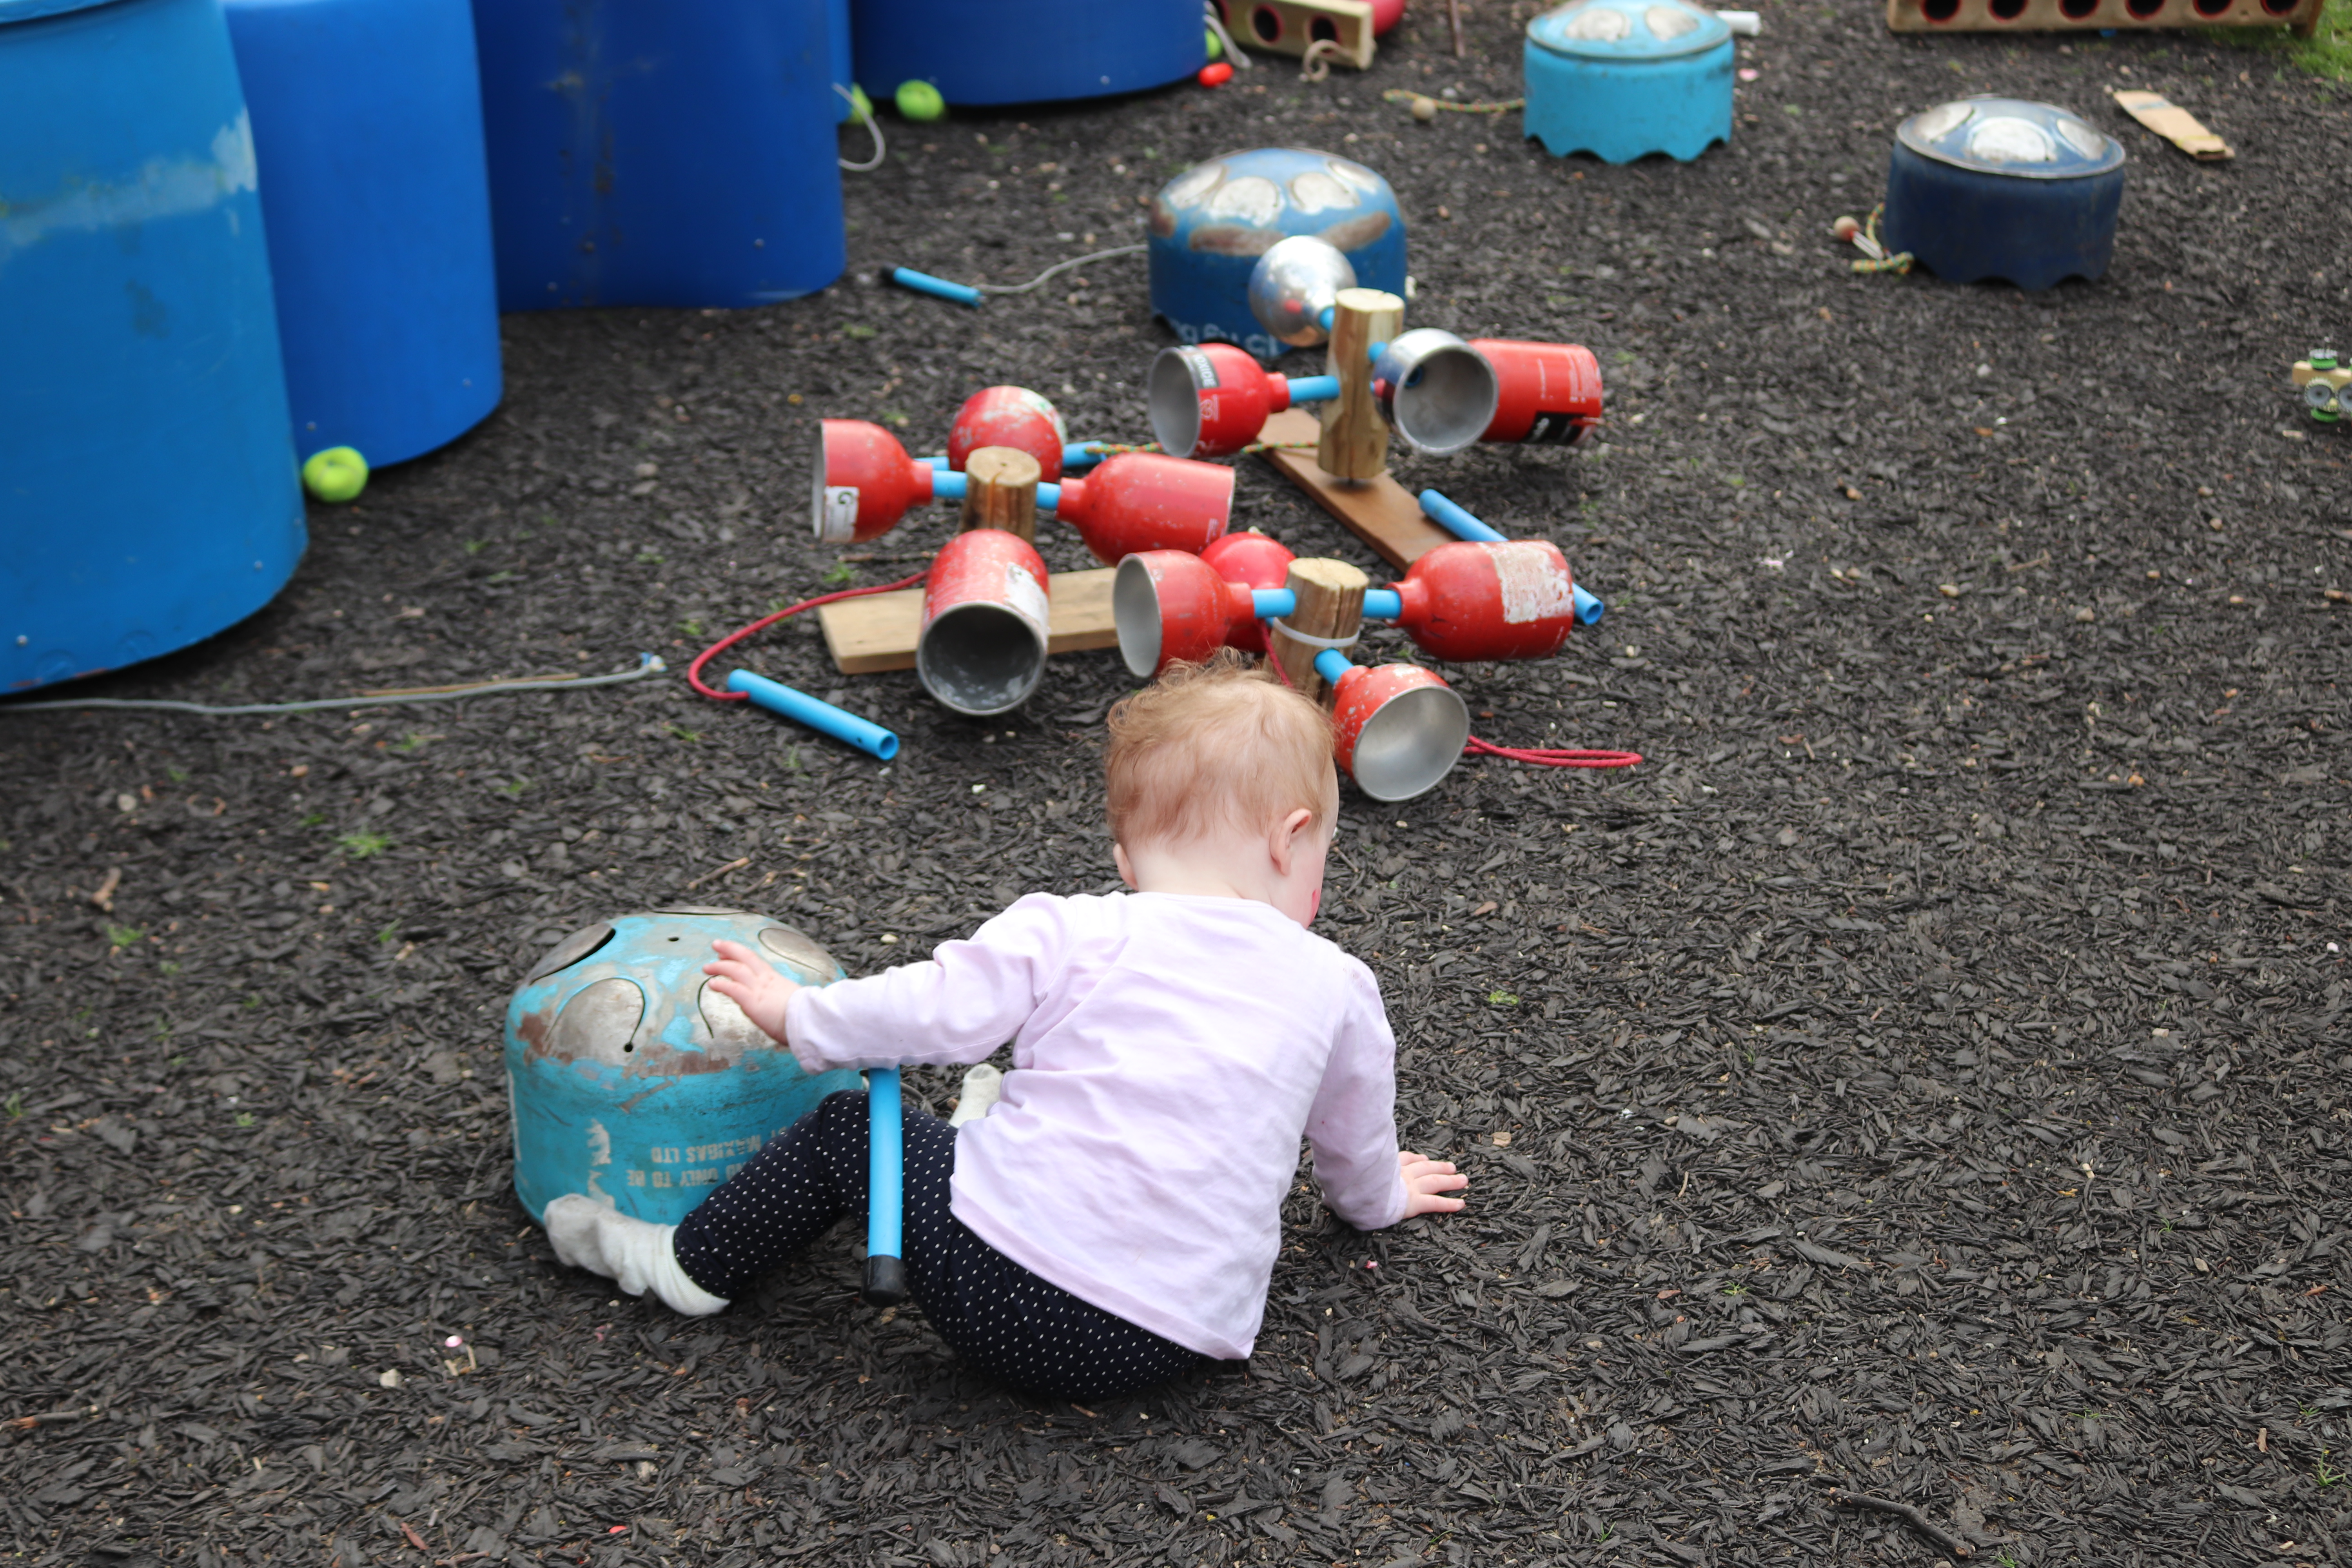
[1217, 25]
[647, 664]
[1059, 267]
[871, 124]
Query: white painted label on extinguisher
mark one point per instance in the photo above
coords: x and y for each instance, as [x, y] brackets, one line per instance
[837, 521]
[1203, 368]
[1027, 596]
[1533, 585]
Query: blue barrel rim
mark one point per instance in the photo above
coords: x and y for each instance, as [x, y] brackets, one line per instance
[34, 10]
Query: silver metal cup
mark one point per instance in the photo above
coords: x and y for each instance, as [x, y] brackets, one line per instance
[1435, 390]
[1294, 283]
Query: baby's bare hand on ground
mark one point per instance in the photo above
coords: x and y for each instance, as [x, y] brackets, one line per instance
[1425, 1181]
[743, 978]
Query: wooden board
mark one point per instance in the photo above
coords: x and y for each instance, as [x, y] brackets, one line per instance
[1382, 512]
[877, 632]
[2050, 15]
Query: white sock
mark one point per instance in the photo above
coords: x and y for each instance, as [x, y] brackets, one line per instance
[982, 1086]
[635, 1254]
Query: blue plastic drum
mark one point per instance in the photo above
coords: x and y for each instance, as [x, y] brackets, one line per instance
[148, 494]
[682, 153]
[1209, 224]
[2003, 187]
[1623, 79]
[633, 1082]
[367, 123]
[1026, 51]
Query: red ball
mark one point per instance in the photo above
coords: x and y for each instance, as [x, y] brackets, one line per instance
[1216, 75]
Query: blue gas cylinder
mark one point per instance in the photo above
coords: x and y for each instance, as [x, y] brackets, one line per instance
[2004, 187]
[148, 491]
[631, 1080]
[682, 153]
[367, 124]
[1209, 224]
[1623, 79]
[1026, 51]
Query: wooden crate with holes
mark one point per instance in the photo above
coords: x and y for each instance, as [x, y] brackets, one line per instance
[1290, 26]
[2079, 16]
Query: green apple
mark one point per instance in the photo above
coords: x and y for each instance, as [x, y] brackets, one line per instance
[335, 476]
[919, 100]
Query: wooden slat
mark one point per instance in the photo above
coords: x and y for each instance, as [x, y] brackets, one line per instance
[1382, 512]
[877, 632]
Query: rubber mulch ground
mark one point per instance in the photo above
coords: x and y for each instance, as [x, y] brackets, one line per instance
[1926, 1075]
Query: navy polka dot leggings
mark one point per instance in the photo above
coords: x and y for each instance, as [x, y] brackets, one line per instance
[995, 1314]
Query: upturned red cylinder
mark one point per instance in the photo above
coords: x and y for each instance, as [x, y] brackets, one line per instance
[1397, 729]
[1253, 561]
[1170, 605]
[1211, 400]
[1011, 416]
[1470, 601]
[863, 481]
[1547, 393]
[982, 648]
[1144, 500]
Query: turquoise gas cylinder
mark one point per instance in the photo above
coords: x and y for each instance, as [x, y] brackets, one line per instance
[1623, 79]
[148, 496]
[632, 1082]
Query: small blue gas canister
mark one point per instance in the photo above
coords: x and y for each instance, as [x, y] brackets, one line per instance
[379, 217]
[1623, 79]
[2004, 187]
[633, 1082]
[1209, 224]
[1026, 51]
[148, 488]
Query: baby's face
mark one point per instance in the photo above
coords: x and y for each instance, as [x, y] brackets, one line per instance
[1298, 893]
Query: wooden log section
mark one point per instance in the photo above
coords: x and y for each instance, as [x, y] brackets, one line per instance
[1001, 492]
[1355, 444]
[1330, 604]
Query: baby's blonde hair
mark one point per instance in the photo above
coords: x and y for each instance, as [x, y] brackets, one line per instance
[1214, 745]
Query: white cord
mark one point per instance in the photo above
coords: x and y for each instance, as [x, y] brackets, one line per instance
[647, 664]
[871, 124]
[1058, 266]
[1217, 25]
[1286, 629]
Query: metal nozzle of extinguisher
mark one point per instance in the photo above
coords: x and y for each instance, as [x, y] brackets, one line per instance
[1396, 729]
[1294, 286]
[1211, 399]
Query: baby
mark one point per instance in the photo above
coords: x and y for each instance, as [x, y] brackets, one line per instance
[1118, 1215]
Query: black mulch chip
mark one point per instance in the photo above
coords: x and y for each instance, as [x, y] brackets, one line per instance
[1926, 1076]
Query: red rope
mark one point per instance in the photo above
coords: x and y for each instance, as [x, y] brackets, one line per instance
[694, 670]
[1551, 756]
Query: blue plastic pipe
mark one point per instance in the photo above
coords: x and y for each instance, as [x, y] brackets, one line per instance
[1076, 455]
[1273, 603]
[1331, 312]
[938, 288]
[1456, 521]
[1462, 525]
[1331, 664]
[1313, 389]
[886, 1184]
[823, 717]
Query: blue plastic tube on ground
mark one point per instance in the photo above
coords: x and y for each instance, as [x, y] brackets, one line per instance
[823, 717]
[885, 1181]
[938, 288]
[1456, 520]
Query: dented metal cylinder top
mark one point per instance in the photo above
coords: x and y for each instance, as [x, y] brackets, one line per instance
[632, 1082]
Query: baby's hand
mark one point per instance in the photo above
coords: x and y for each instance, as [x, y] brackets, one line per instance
[743, 978]
[1425, 1180]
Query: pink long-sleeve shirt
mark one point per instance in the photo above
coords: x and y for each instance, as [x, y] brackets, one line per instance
[1168, 1051]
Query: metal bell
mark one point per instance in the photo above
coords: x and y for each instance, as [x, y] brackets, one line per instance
[1435, 390]
[1294, 286]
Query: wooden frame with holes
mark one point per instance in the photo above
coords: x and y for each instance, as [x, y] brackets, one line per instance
[1289, 26]
[2081, 16]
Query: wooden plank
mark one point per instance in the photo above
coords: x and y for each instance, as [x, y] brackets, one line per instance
[1382, 512]
[877, 632]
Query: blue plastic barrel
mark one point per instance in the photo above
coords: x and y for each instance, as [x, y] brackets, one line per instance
[379, 217]
[148, 493]
[1026, 51]
[682, 153]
